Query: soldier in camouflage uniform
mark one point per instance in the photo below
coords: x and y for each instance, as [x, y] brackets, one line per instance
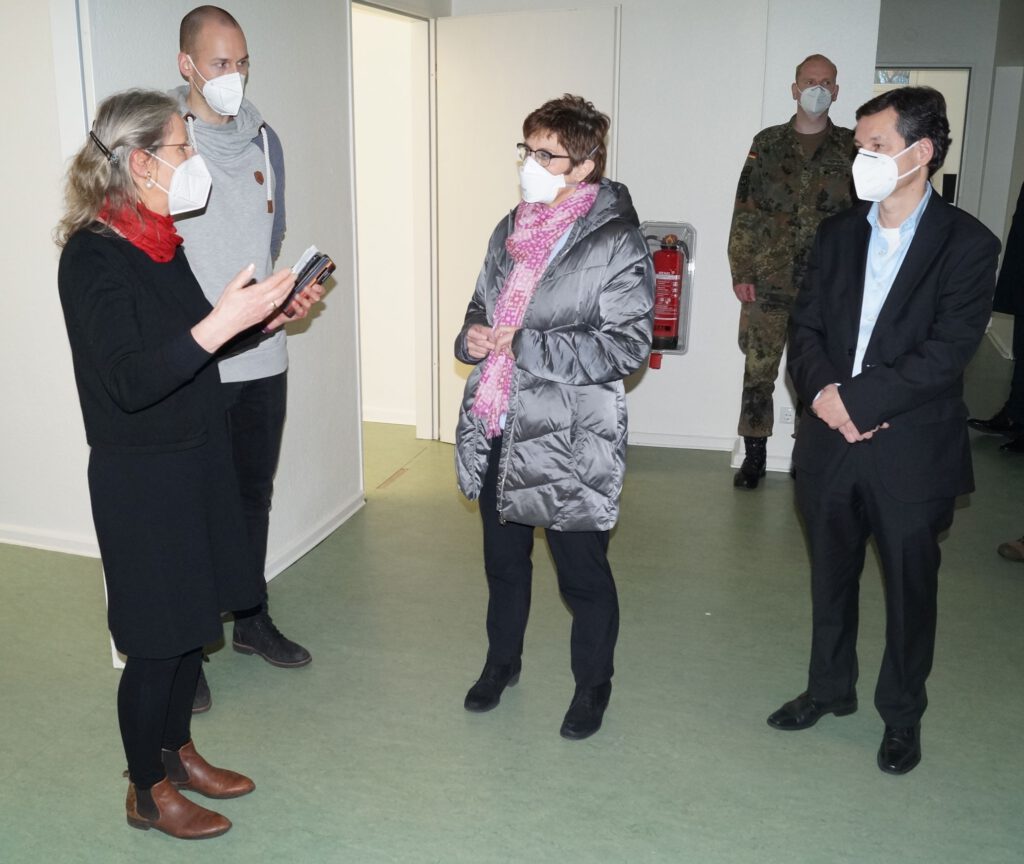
[795, 175]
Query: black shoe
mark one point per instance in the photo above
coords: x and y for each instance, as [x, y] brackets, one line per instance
[257, 634]
[1014, 445]
[901, 749]
[998, 424]
[804, 711]
[202, 701]
[753, 467]
[586, 711]
[486, 693]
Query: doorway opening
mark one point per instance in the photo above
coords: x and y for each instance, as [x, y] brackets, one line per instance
[391, 87]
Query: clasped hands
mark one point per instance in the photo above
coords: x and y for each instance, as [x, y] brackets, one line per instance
[482, 340]
[828, 406]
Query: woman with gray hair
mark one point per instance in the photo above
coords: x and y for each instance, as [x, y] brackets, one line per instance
[167, 513]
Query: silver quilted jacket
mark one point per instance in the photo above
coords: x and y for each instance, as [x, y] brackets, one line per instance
[586, 328]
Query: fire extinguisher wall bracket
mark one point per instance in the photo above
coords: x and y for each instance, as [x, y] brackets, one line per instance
[672, 246]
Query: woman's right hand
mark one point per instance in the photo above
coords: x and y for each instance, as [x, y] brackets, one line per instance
[242, 305]
[479, 341]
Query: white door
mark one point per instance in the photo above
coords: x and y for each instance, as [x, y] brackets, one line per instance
[493, 70]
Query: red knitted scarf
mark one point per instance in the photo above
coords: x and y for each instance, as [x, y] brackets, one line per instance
[152, 233]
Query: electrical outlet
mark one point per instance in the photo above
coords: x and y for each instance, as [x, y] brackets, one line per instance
[787, 415]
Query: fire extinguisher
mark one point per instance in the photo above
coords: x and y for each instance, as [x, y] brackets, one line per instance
[669, 261]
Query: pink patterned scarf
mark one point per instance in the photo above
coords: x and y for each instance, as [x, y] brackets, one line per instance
[537, 228]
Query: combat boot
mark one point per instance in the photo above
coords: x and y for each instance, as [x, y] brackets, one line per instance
[753, 467]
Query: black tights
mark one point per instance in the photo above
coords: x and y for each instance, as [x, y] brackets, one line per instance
[154, 710]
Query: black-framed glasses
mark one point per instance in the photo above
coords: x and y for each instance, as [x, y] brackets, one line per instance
[542, 157]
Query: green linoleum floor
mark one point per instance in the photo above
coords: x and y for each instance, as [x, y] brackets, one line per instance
[368, 756]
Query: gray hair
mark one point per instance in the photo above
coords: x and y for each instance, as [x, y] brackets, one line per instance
[100, 172]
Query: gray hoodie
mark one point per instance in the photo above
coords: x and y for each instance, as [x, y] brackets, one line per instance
[237, 226]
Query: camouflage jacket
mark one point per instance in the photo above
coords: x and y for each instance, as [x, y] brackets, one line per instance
[781, 198]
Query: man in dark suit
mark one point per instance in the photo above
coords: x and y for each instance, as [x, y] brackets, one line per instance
[897, 296]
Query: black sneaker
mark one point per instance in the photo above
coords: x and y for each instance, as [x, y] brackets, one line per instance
[257, 634]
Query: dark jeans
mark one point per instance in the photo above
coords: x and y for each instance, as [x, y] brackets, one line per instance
[584, 578]
[154, 711]
[256, 411]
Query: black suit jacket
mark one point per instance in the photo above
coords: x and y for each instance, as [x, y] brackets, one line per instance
[912, 374]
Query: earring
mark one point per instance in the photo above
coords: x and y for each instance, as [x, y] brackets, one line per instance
[149, 181]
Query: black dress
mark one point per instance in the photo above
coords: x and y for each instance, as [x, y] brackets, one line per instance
[164, 497]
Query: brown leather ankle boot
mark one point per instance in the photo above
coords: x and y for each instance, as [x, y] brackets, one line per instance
[163, 807]
[186, 769]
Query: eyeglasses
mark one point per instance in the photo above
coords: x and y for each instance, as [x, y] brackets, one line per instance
[183, 146]
[542, 157]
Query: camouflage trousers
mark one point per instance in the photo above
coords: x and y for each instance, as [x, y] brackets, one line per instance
[764, 325]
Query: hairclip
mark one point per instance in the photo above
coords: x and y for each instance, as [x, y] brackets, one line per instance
[111, 157]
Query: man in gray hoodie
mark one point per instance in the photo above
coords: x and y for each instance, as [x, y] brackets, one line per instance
[243, 222]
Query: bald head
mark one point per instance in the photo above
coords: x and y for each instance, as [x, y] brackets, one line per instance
[193, 23]
[816, 59]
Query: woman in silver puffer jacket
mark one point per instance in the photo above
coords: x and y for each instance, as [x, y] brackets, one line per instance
[562, 312]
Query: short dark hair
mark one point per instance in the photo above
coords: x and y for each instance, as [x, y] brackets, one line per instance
[578, 126]
[195, 20]
[920, 114]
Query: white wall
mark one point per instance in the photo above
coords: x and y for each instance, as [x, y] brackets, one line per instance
[698, 80]
[391, 89]
[42, 447]
[44, 500]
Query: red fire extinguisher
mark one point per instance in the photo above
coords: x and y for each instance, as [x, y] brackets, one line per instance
[668, 275]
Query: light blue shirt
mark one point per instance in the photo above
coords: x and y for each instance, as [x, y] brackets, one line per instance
[886, 250]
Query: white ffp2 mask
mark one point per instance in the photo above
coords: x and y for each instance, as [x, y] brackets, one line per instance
[224, 93]
[537, 184]
[875, 175]
[815, 100]
[190, 185]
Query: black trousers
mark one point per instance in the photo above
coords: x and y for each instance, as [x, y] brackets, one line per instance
[841, 510]
[154, 711]
[584, 579]
[1015, 403]
[256, 412]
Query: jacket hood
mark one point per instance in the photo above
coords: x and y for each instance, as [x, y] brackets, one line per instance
[613, 202]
